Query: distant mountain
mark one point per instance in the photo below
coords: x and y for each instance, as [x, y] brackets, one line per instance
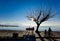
[8, 25]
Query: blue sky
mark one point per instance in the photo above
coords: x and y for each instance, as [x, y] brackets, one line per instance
[15, 11]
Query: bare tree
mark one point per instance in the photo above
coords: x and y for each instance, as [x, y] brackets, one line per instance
[40, 17]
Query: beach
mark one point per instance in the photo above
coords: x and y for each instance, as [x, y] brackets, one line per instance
[4, 33]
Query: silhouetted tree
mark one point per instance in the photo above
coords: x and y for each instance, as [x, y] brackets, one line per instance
[40, 17]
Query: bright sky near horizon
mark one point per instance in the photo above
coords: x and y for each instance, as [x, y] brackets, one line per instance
[15, 11]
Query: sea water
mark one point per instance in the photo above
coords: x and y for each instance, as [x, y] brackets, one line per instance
[41, 28]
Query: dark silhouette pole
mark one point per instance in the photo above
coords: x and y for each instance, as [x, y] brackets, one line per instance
[45, 33]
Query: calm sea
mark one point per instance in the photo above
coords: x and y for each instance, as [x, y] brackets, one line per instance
[41, 28]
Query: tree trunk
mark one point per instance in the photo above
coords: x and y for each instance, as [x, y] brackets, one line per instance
[37, 28]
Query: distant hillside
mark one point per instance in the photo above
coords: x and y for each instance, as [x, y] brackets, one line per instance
[8, 25]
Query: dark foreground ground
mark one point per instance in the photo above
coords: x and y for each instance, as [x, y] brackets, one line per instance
[25, 38]
[29, 38]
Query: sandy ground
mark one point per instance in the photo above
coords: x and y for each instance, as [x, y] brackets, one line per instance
[21, 33]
